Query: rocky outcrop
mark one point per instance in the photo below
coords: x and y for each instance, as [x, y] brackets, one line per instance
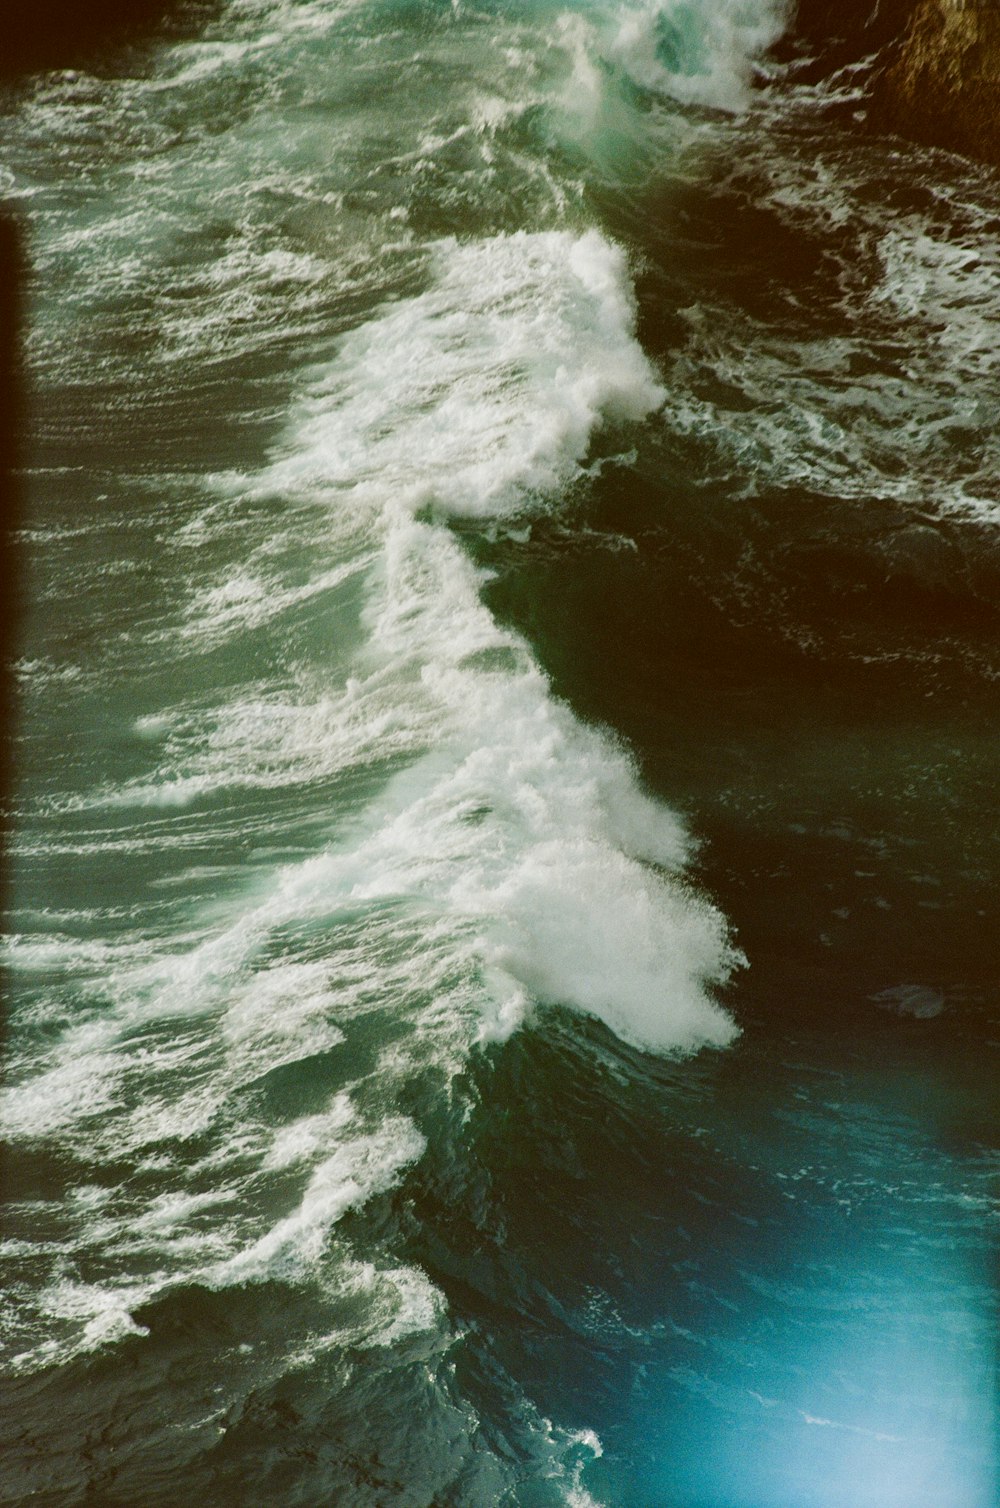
[842, 31]
[937, 78]
[943, 84]
[42, 34]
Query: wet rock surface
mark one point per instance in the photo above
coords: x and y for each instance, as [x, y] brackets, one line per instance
[943, 85]
[842, 31]
[67, 34]
[937, 77]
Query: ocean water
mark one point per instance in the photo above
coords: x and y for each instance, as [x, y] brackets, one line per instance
[502, 960]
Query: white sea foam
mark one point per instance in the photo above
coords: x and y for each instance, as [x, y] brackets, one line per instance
[304, 1138]
[244, 300]
[482, 395]
[360, 1167]
[897, 399]
[105, 1314]
[512, 859]
[518, 825]
[950, 291]
[38, 676]
[516, 860]
[399, 1300]
[532, 828]
[698, 53]
[244, 600]
[415, 1306]
[80, 1085]
[268, 741]
[703, 54]
[282, 1015]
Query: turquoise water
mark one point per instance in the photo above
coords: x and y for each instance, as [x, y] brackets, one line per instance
[502, 948]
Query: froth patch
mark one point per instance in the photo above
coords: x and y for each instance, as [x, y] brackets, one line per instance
[81, 1085]
[360, 1167]
[527, 830]
[244, 601]
[304, 1138]
[348, 1166]
[700, 54]
[263, 740]
[597, 930]
[896, 398]
[515, 858]
[481, 395]
[281, 1015]
[104, 1314]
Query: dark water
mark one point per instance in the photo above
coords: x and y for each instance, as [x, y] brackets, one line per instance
[505, 906]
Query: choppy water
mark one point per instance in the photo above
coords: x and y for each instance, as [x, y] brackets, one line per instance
[504, 930]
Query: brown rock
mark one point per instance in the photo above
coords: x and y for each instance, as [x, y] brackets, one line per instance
[842, 31]
[55, 34]
[943, 85]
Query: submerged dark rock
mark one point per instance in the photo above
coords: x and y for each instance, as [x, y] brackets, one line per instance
[917, 1000]
[923, 557]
